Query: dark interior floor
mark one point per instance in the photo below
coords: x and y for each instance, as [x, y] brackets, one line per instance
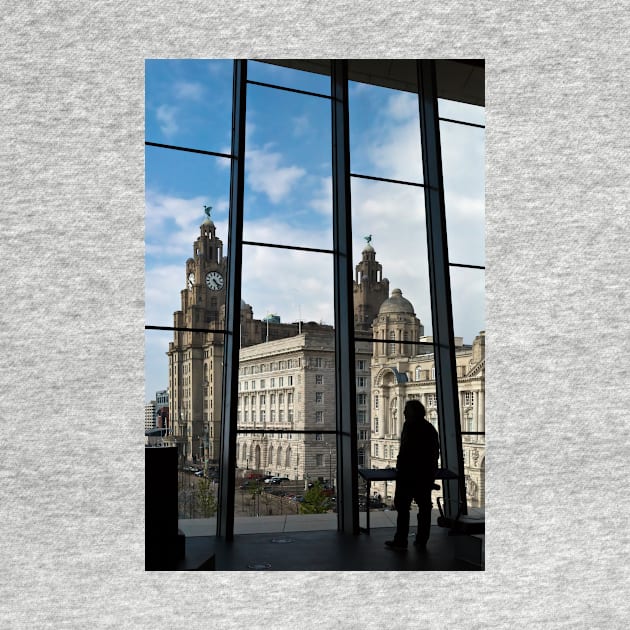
[331, 551]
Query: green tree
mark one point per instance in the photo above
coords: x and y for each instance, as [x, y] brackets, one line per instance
[205, 498]
[315, 501]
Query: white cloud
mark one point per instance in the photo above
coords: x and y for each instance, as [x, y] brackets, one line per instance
[293, 284]
[264, 174]
[301, 125]
[403, 106]
[188, 90]
[165, 115]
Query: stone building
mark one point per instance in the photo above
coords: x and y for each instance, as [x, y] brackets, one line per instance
[287, 377]
[195, 356]
[402, 372]
[288, 386]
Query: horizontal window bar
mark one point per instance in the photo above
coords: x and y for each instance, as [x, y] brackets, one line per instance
[184, 329]
[300, 249]
[461, 122]
[466, 266]
[287, 89]
[385, 179]
[403, 341]
[176, 148]
[296, 432]
[473, 432]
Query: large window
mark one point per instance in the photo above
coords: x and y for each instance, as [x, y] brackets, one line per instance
[265, 252]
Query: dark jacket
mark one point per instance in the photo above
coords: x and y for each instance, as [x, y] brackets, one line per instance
[419, 451]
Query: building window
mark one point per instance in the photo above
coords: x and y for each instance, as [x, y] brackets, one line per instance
[319, 379]
[376, 450]
[319, 437]
[468, 399]
[262, 399]
[375, 401]
[281, 415]
[272, 382]
[319, 397]
[262, 383]
[272, 417]
[272, 399]
[281, 381]
[361, 457]
[289, 380]
[280, 399]
[361, 399]
[290, 398]
[262, 415]
[290, 412]
[433, 373]
[418, 374]
[362, 416]
[319, 417]
[361, 364]
[319, 460]
[392, 346]
[376, 424]
[362, 382]
[317, 362]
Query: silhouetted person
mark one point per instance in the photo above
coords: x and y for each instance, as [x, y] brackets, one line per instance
[416, 468]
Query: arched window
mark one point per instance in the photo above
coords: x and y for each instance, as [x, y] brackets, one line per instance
[279, 456]
[287, 463]
[418, 374]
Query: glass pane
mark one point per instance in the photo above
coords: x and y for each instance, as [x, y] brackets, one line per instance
[284, 480]
[289, 77]
[286, 380]
[390, 254]
[467, 289]
[463, 154]
[471, 383]
[461, 111]
[288, 193]
[384, 133]
[178, 187]
[468, 299]
[188, 102]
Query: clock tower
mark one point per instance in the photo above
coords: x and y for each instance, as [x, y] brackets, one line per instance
[195, 357]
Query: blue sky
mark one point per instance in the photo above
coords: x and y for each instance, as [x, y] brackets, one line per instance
[288, 193]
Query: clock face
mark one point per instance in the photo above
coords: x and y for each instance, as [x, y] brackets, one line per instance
[191, 280]
[214, 281]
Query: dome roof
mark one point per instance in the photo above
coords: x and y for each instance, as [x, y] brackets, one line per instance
[396, 304]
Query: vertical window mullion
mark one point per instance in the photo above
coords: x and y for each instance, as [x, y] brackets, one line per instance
[441, 309]
[225, 515]
[348, 515]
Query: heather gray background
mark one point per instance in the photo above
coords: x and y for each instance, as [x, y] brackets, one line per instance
[72, 339]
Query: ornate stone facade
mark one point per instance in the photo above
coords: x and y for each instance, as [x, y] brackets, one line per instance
[287, 377]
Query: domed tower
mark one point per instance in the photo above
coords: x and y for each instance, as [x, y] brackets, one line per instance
[370, 288]
[396, 321]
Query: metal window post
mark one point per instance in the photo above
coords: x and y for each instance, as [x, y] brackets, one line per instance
[439, 278]
[225, 516]
[347, 482]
